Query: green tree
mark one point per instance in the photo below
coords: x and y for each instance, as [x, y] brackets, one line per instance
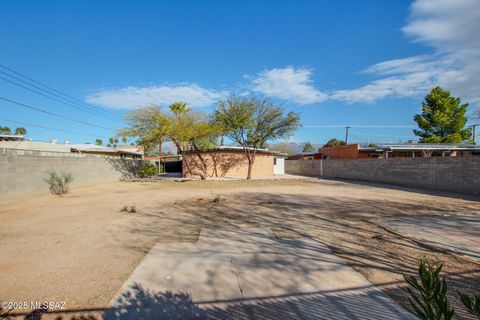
[251, 122]
[334, 143]
[149, 125]
[124, 140]
[5, 130]
[442, 119]
[113, 142]
[308, 147]
[190, 130]
[187, 129]
[20, 131]
[98, 142]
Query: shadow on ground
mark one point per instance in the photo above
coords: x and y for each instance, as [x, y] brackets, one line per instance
[347, 225]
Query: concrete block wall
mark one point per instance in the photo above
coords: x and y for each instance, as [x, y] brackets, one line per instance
[25, 171]
[436, 173]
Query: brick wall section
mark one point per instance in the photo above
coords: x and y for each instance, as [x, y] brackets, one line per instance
[231, 164]
[436, 173]
[349, 151]
[24, 171]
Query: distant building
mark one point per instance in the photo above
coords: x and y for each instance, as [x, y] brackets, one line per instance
[399, 150]
[123, 152]
[20, 143]
[305, 156]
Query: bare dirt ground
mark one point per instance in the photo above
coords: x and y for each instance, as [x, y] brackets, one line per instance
[80, 248]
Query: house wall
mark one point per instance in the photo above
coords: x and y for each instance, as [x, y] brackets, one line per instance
[436, 173]
[25, 171]
[230, 164]
[349, 151]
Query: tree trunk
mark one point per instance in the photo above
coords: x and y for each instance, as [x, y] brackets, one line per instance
[160, 151]
[204, 175]
[250, 165]
[184, 159]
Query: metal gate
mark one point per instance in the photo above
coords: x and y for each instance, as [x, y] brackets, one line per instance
[172, 166]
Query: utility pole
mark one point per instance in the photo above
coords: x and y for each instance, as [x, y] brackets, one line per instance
[346, 134]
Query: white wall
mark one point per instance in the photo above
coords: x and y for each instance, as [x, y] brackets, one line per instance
[279, 168]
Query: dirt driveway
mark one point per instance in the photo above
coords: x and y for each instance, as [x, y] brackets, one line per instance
[81, 248]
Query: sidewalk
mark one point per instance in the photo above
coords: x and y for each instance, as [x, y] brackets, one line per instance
[248, 274]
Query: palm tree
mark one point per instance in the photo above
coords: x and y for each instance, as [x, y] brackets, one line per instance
[20, 131]
[99, 142]
[5, 130]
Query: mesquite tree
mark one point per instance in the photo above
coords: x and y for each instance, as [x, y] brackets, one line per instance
[251, 122]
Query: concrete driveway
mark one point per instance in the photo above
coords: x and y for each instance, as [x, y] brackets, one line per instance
[456, 233]
[248, 274]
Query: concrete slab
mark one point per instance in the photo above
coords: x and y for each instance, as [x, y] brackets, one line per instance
[457, 233]
[248, 274]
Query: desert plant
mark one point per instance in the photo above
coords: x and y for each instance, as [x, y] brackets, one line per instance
[471, 303]
[217, 199]
[58, 182]
[147, 170]
[428, 293]
[129, 209]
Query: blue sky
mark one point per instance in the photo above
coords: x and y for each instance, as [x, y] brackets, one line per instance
[359, 63]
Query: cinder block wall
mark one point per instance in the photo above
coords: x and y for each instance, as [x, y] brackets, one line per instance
[436, 173]
[23, 171]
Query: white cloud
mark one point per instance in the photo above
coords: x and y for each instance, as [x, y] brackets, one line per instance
[452, 29]
[131, 97]
[287, 83]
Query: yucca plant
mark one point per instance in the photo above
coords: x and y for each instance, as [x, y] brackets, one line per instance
[428, 293]
[471, 303]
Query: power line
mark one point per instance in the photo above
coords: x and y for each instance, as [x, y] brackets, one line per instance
[64, 101]
[51, 129]
[359, 126]
[381, 135]
[57, 91]
[54, 114]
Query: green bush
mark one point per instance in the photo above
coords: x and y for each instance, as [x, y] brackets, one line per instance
[58, 183]
[428, 293]
[471, 303]
[147, 170]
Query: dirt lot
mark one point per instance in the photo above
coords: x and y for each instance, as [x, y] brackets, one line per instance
[80, 248]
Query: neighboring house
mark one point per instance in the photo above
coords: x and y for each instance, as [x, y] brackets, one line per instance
[400, 150]
[130, 153]
[305, 156]
[232, 162]
[11, 137]
[20, 143]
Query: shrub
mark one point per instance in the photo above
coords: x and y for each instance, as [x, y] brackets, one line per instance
[58, 183]
[147, 170]
[471, 303]
[129, 209]
[428, 294]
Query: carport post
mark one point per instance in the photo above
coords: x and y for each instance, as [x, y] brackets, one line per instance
[321, 168]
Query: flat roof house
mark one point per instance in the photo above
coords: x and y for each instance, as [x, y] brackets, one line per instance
[232, 162]
[387, 150]
[132, 152]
